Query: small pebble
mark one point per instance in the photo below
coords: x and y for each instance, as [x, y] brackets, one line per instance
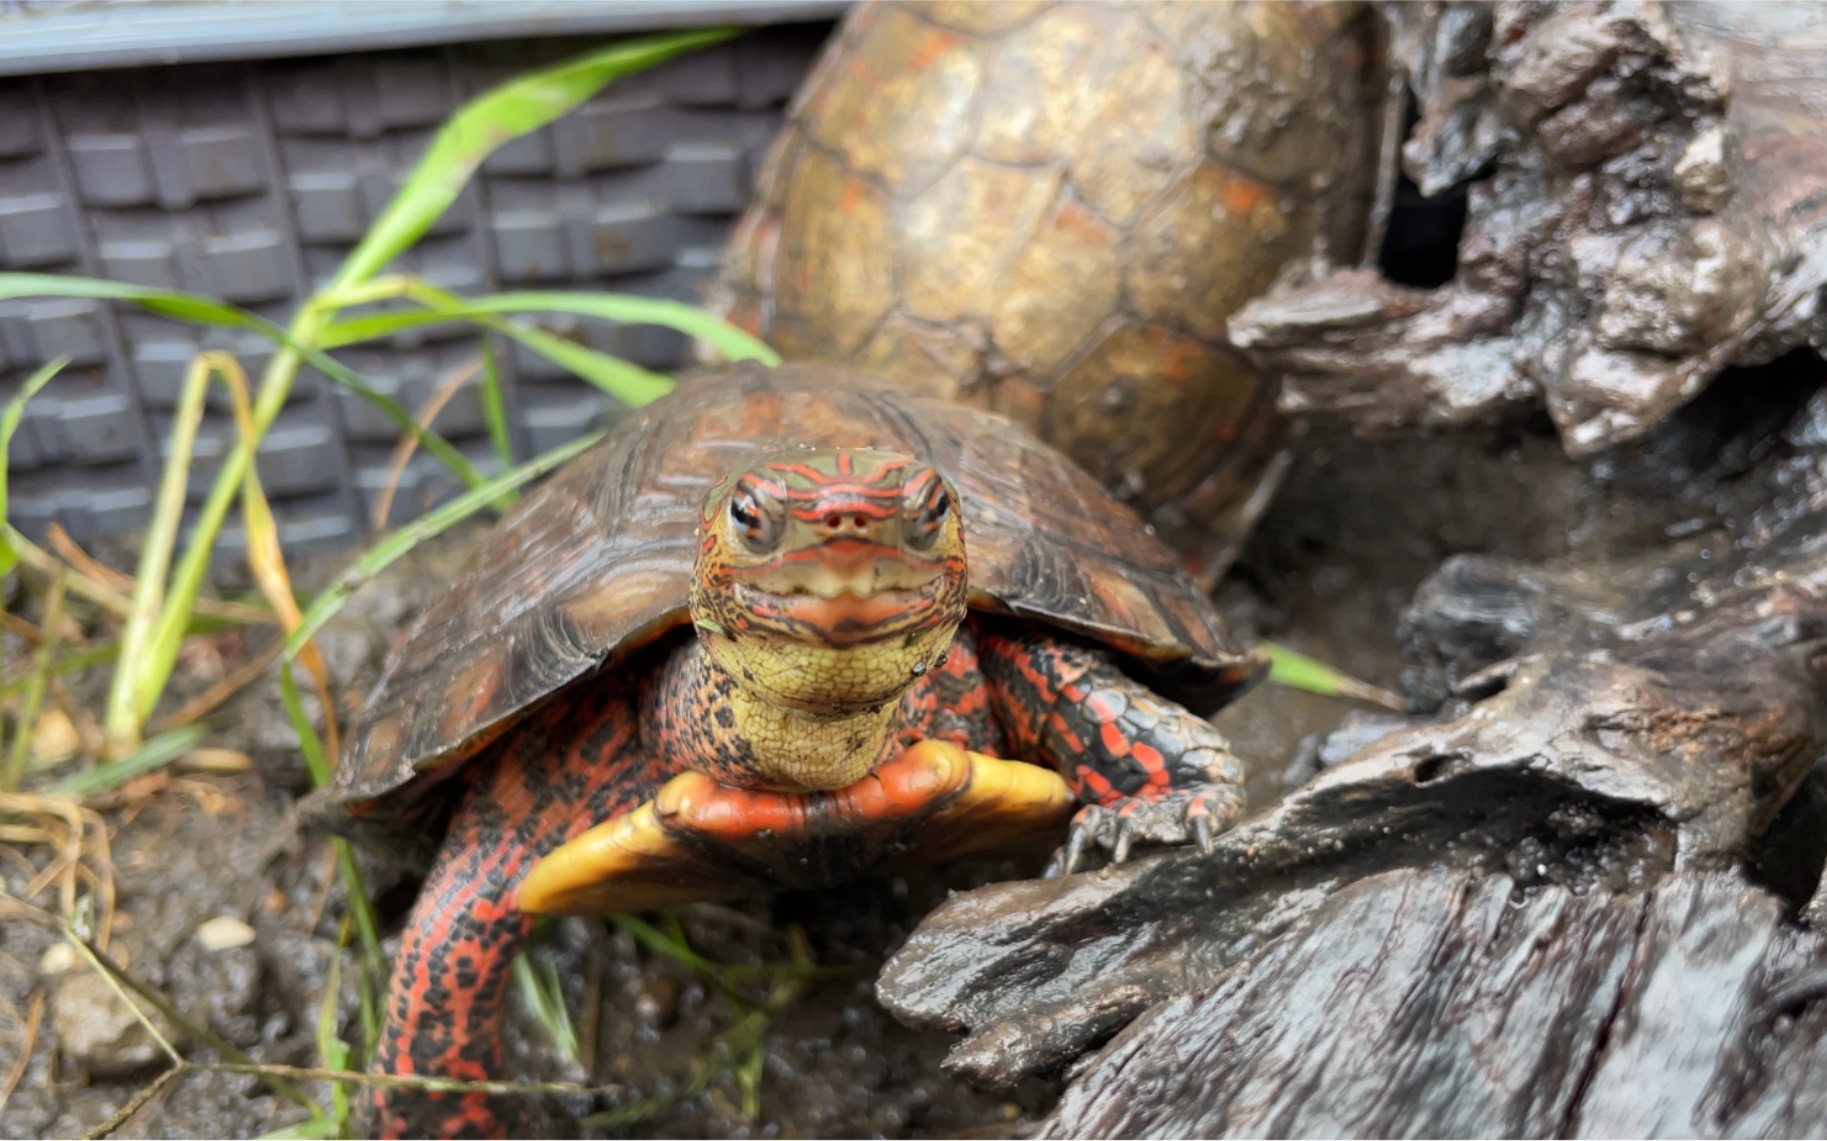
[216, 761]
[224, 933]
[58, 960]
[55, 736]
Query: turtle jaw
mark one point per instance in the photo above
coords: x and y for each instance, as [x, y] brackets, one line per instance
[841, 674]
[842, 630]
[842, 621]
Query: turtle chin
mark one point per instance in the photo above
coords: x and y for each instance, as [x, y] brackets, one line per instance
[825, 681]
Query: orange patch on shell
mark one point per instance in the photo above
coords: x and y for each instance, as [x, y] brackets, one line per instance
[1242, 195]
[472, 691]
[932, 49]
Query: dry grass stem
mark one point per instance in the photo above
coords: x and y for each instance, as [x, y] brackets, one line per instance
[134, 1104]
[26, 724]
[267, 559]
[453, 380]
[87, 565]
[21, 627]
[79, 839]
[34, 1016]
[206, 702]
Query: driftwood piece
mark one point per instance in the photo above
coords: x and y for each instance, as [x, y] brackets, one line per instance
[1644, 208]
[1428, 1003]
[1569, 829]
[1602, 769]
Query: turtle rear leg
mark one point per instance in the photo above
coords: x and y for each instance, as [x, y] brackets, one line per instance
[1145, 769]
[568, 766]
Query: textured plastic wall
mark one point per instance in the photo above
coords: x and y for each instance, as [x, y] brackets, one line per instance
[251, 181]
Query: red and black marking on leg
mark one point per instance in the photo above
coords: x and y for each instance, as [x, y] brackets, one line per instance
[951, 703]
[574, 763]
[1146, 768]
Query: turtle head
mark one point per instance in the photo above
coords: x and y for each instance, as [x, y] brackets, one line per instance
[829, 581]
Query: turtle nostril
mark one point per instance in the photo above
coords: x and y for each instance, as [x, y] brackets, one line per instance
[834, 521]
[862, 522]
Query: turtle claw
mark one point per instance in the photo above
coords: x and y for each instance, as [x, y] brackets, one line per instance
[1065, 861]
[1125, 839]
[1189, 815]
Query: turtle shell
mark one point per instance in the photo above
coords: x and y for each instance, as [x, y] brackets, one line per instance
[1051, 209]
[598, 561]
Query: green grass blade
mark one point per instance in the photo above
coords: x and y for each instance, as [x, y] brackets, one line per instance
[513, 109]
[374, 963]
[25, 723]
[629, 383]
[135, 687]
[9, 423]
[384, 553]
[332, 1051]
[494, 409]
[75, 663]
[149, 757]
[309, 743]
[203, 311]
[190, 307]
[402, 419]
[1298, 671]
[732, 342]
[538, 984]
[310, 1129]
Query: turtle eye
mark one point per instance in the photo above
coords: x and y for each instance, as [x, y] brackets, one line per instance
[752, 523]
[928, 517]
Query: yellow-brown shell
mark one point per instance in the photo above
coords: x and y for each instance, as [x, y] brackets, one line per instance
[598, 561]
[1051, 209]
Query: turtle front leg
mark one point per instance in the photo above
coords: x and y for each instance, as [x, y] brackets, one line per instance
[1145, 769]
[570, 765]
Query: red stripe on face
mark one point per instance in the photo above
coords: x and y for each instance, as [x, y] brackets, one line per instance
[846, 469]
[753, 484]
[824, 509]
[846, 548]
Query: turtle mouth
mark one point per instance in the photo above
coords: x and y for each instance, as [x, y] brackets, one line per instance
[842, 618]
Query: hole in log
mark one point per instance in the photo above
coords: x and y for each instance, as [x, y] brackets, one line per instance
[1421, 246]
[1430, 769]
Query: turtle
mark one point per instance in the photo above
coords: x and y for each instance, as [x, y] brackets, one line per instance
[781, 628]
[1050, 210]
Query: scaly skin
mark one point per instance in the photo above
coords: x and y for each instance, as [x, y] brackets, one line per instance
[1145, 768]
[1001, 691]
[830, 613]
[574, 762]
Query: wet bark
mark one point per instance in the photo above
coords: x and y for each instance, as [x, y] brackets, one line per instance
[1655, 1014]
[1557, 900]
[1644, 208]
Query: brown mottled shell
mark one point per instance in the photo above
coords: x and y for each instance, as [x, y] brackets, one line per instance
[1051, 209]
[598, 561]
